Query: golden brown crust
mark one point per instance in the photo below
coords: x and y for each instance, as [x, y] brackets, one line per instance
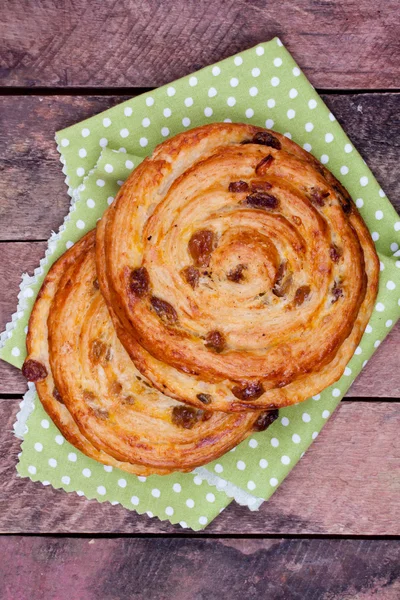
[37, 347]
[95, 394]
[285, 272]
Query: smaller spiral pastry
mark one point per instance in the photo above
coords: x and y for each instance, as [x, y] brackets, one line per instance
[95, 395]
[236, 268]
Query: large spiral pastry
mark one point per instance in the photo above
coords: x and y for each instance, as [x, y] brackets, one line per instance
[96, 396]
[237, 270]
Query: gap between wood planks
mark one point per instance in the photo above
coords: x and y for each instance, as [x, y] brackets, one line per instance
[134, 91]
[207, 536]
[33, 241]
[345, 399]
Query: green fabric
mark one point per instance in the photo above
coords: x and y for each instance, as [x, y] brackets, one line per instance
[265, 87]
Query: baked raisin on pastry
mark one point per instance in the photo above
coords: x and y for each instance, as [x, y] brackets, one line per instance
[236, 266]
[95, 395]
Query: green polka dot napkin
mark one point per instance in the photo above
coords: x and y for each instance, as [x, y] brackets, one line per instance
[263, 86]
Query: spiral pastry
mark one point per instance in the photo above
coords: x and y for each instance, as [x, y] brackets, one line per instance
[96, 396]
[237, 270]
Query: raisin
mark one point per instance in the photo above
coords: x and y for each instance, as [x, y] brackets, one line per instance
[250, 391]
[96, 350]
[318, 167]
[33, 370]
[101, 413]
[128, 400]
[115, 388]
[337, 293]
[57, 395]
[139, 282]
[204, 398]
[302, 293]
[344, 198]
[236, 275]
[317, 196]
[262, 200]
[200, 246]
[164, 310]
[346, 207]
[92, 401]
[215, 340]
[260, 186]
[99, 352]
[266, 139]
[96, 284]
[187, 417]
[264, 164]
[88, 396]
[335, 253]
[281, 272]
[282, 282]
[265, 420]
[191, 276]
[238, 186]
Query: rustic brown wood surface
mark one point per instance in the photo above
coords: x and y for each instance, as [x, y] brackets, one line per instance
[348, 483]
[185, 569]
[61, 62]
[33, 197]
[344, 44]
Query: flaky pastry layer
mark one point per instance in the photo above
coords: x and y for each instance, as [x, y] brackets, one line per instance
[94, 393]
[236, 266]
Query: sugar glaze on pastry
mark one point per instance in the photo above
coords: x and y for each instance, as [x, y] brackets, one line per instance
[236, 266]
[95, 395]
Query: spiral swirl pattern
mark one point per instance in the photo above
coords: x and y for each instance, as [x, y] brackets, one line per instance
[236, 267]
[96, 396]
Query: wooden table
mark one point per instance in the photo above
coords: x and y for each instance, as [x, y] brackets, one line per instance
[331, 530]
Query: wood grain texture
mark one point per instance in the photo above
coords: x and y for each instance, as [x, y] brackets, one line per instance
[33, 196]
[347, 483]
[339, 44]
[380, 378]
[194, 569]
[16, 258]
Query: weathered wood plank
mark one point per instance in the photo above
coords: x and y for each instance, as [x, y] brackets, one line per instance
[338, 44]
[33, 197]
[16, 258]
[186, 569]
[347, 483]
[380, 378]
